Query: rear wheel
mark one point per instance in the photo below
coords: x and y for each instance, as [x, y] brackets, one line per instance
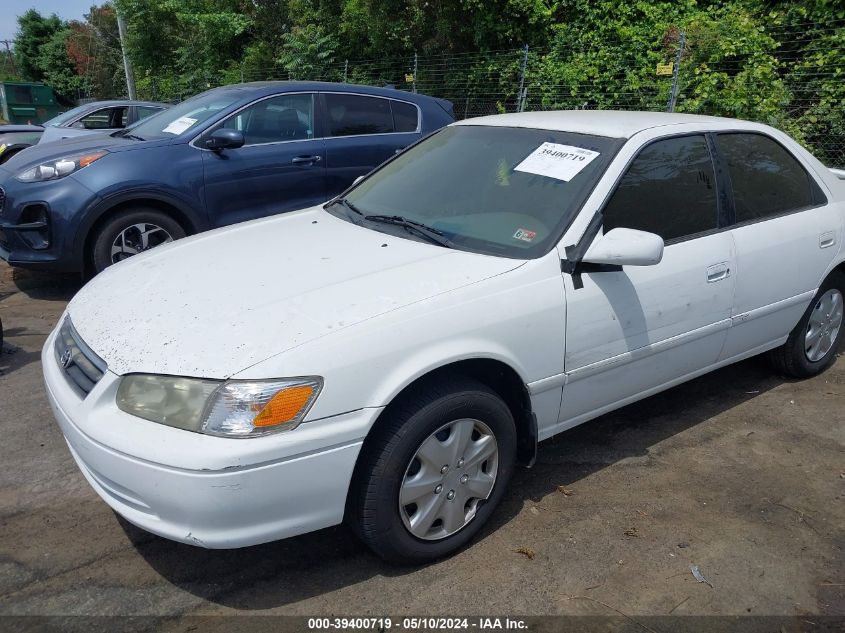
[132, 232]
[813, 343]
[432, 475]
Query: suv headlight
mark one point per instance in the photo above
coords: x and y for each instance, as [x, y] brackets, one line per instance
[232, 408]
[61, 167]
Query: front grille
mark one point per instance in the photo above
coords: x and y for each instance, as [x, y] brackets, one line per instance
[81, 366]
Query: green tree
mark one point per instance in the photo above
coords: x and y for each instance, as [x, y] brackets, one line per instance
[34, 32]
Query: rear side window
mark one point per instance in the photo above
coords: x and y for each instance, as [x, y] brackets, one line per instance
[669, 189]
[766, 178]
[405, 116]
[145, 111]
[350, 115]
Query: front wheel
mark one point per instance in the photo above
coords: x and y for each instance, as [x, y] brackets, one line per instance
[432, 475]
[132, 232]
[813, 343]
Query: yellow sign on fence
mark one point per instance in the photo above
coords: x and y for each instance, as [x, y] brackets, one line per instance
[409, 77]
[665, 69]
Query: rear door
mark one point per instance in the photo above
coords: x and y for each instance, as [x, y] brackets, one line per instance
[644, 327]
[786, 236]
[281, 166]
[362, 131]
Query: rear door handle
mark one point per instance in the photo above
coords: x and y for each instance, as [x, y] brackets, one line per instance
[306, 159]
[717, 272]
[826, 240]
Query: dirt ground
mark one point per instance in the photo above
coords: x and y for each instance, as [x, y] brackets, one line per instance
[741, 473]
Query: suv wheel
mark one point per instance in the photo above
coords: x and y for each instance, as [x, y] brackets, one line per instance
[130, 233]
[433, 474]
[813, 344]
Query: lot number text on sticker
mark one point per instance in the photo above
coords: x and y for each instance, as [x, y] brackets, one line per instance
[561, 162]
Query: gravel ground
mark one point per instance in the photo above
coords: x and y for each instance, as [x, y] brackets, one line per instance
[741, 473]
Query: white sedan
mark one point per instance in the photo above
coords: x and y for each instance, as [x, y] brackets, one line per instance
[389, 357]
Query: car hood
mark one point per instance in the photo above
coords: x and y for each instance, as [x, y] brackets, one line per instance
[44, 152]
[53, 134]
[217, 303]
[10, 129]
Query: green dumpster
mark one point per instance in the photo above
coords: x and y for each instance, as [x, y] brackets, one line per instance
[26, 102]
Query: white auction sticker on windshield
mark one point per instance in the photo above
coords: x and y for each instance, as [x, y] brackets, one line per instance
[561, 162]
[179, 125]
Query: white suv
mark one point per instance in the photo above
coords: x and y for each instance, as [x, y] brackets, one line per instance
[390, 356]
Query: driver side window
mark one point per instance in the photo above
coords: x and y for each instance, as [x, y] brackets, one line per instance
[281, 118]
[669, 189]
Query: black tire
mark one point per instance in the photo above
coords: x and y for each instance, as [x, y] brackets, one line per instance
[373, 510]
[101, 245]
[790, 359]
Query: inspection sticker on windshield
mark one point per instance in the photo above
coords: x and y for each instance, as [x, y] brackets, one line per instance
[561, 162]
[179, 125]
[525, 235]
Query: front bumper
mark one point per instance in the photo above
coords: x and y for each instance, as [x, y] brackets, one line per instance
[38, 222]
[273, 487]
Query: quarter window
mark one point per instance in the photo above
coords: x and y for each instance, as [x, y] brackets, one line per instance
[669, 189]
[766, 179]
[350, 115]
[405, 117]
[282, 118]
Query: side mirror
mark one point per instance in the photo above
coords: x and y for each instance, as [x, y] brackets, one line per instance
[224, 138]
[626, 247]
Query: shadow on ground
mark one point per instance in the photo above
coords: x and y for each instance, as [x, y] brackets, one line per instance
[288, 571]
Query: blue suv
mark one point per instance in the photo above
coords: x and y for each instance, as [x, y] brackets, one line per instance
[227, 155]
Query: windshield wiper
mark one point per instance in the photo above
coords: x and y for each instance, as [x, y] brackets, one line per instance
[429, 232]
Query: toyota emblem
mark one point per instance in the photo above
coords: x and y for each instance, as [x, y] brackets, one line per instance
[66, 357]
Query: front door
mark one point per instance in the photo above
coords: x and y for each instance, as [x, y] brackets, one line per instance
[642, 328]
[281, 166]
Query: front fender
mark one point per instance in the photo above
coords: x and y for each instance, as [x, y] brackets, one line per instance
[517, 318]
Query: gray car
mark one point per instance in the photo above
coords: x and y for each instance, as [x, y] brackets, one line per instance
[90, 118]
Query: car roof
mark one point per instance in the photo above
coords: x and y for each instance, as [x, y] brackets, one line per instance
[125, 102]
[271, 87]
[612, 123]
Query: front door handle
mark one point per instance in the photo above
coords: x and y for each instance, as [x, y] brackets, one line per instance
[299, 160]
[717, 272]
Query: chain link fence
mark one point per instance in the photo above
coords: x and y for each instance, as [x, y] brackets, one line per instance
[783, 78]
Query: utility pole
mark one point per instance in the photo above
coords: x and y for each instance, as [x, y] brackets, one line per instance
[673, 94]
[523, 92]
[127, 67]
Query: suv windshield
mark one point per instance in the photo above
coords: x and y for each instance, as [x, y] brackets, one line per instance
[496, 190]
[184, 116]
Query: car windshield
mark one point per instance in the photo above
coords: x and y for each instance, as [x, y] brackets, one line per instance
[184, 116]
[67, 117]
[496, 190]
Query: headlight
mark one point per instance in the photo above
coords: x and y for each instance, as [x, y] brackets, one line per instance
[60, 167]
[234, 408]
